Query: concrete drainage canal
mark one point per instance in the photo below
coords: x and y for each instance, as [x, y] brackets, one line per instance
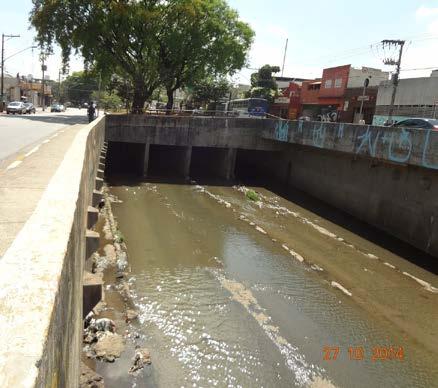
[228, 283]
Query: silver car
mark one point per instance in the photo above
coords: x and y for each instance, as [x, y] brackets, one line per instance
[16, 107]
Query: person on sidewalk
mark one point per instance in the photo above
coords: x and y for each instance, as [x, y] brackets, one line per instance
[91, 111]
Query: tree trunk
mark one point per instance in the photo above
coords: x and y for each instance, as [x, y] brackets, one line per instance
[139, 98]
[169, 104]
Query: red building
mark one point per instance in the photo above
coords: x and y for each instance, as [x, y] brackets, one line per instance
[288, 104]
[337, 95]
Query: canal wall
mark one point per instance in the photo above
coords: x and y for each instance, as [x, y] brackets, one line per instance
[41, 274]
[387, 177]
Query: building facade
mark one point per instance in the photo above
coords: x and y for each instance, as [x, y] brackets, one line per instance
[338, 95]
[415, 97]
[29, 90]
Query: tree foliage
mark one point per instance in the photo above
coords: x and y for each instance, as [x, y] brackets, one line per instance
[148, 42]
[210, 90]
[107, 101]
[201, 39]
[122, 87]
[263, 84]
[78, 87]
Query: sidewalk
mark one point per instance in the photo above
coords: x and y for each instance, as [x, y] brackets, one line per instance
[23, 181]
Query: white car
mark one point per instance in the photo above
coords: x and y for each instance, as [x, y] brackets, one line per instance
[16, 107]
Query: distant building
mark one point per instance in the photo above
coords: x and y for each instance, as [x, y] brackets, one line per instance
[287, 104]
[337, 95]
[416, 97]
[238, 91]
[284, 82]
[24, 89]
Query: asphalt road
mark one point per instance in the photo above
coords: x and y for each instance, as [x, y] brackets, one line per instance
[20, 131]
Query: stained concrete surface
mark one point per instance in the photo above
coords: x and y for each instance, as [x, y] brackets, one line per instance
[41, 272]
[21, 187]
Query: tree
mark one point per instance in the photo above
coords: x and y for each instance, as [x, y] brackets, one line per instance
[210, 90]
[114, 37]
[149, 42]
[78, 87]
[122, 87]
[263, 84]
[202, 39]
[107, 101]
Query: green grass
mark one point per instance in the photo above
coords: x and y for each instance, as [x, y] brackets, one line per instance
[252, 195]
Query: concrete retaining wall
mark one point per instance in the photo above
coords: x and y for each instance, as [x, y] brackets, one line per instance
[400, 200]
[401, 146]
[41, 276]
[188, 131]
[385, 176]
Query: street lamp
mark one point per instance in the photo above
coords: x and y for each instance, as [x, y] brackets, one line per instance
[2, 99]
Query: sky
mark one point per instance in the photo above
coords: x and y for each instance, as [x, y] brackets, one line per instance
[320, 34]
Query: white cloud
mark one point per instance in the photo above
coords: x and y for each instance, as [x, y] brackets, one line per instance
[433, 27]
[424, 12]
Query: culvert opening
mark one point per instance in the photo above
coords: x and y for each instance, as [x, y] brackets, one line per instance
[209, 162]
[124, 158]
[258, 166]
[168, 161]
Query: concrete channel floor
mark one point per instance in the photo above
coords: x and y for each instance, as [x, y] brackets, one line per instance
[24, 178]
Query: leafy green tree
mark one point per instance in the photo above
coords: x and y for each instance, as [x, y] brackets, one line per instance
[201, 39]
[78, 87]
[114, 37]
[210, 91]
[122, 87]
[263, 84]
[107, 101]
[149, 42]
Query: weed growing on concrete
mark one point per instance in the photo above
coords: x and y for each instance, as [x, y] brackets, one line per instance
[252, 195]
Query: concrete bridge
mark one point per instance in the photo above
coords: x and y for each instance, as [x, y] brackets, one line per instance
[386, 177]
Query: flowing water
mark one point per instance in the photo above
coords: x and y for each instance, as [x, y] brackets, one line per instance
[233, 292]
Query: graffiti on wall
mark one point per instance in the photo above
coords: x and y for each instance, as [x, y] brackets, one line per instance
[368, 143]
[425, 152]
[281, 130]
[396, 145]
[403, 142]
[318, 135]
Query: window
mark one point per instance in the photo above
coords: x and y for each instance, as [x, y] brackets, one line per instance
[338, 82]
[328, 84]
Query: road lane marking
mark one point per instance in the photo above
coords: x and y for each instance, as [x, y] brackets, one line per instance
[14, 164]
[33, 150]
[45, 141]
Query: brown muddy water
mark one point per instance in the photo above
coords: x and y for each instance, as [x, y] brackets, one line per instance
[237, 293]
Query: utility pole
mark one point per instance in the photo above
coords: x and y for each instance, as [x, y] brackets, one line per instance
[397, 63]
[2, 99]
[43, 69]
[59, 85]
[366, 82]
[284, 57]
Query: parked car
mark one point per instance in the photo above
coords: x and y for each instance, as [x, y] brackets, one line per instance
[30, 108]
[418, 123]
[55, 108]
[16, 107]
[62, 107]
